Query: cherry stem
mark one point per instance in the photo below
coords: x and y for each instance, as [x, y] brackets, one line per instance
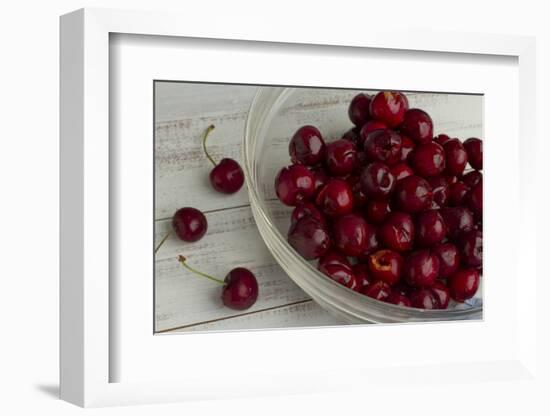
[183, 260]
[206, 134]
[168, 234]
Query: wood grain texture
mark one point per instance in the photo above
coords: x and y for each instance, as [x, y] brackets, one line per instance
[184, 302]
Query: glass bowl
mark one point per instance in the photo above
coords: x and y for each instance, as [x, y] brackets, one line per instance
[274, 115]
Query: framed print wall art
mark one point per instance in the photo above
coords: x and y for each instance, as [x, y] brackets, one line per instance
[258, 211]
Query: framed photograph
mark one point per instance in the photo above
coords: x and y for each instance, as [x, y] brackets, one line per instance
[237, 211]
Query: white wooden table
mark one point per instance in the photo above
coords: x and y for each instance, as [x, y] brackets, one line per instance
[185, 302]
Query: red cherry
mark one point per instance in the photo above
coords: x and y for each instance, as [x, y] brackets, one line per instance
[456, 157]
[418, 125]
[309, 238]
[341, 157]
[457, 192]
[307, 209]
[335, 198]
[369, 127]
[189, 224]
[337, 267]
[421, 268]
[428, 159]
[361, 271]
[350, 234]
[389, 107]
[413, 194]
[377, 210]
[441, 139]
[470, 246]
[386, 265]
[401, 171]
[430, 228]
[474, 148]
[378, 290]
[424, 299]
[407, 146]
[457, 220]
[463, 284]
[383, 145]
[474, 200]
[376, 180]
[397, 231]
[472, 178]
[440, 189]
[294, 184]
[449, 259]
[307, 146]
[358, 110]
[442, 294]
[398, 299]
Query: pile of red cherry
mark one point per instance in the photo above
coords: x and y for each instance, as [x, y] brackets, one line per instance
[388, 210]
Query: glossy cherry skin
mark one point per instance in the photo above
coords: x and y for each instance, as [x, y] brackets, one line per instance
[358, 110]
[463, 284]
[369, 127]
[189, 224]
[307, 146]
[442, 294]
[377, 210]
[320, 176]
[428, 159]
[407, 146]
[341, 157]
[472, 178]
[227, 176]
[457, 220]
[474, 148]
[456, 157]
[359, 197]
[421, 268]
[378, 290]
[417, 125]
[307, 209]
[440, 190]
[474, 200]
[294, 184]
[362, 273]
[457, 192]
[441, 139]
[470, 246]
[449, 259]
[398, 299]
[309, 238]
[424, 299]
[413, 194]
[397, 232]
[383, 145]
[401, 171]
[376, 180]
[240, 289]
[337, 267]
[430, 228]
[335, 198]
[386, 266]
[372, 244]
[389, 107]
[350, 234]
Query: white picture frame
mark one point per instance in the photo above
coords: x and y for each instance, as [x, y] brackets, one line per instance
[88, 358]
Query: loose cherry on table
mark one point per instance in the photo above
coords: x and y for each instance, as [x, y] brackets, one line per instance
[307, 146]
[240, 287]
[227, 176]
[189, 224]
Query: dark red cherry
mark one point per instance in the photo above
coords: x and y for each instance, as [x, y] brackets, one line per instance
[449, 259]
[407, 146]
[430, 228]
[441, 139]
[398, 299]
[309, 238]
[352, 135]
[227, 176]
[470, 245]
[457, 192]
[307, 209]
[413, 194]
[456, 157]
[424, 299]
[389, 107]
[377, 210]
[350, 234]
[472, 178]
[372, 243]
[378, 290]
[421, 268]
[386, 266]
[335, 198]
[418, 125]
[362, 273]
[440, 190]
[377, 180]
[240, 287]
[397, 232]
[463, 284]
[474, 148]
[189, 224]
[457, 219]
[383, 145]
[359, 197]
[358, 110]
[401, 171]
[428, 159]
[474, 200]
[369, 126]
[442, 294]
[337, 267]
[307, 146]
[294, 184]
[341, 157]
[320, 176]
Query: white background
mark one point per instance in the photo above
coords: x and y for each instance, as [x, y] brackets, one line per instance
[29, 208]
